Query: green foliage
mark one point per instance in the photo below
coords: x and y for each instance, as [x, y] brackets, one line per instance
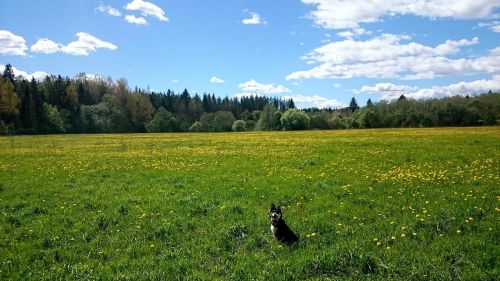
[239, 126]
[196, 127]
[319, 121]
[336, 123]
[163, 121]
[267, 120]
[9, 101]
[369, 119]
[295, 119]
[97, 105]
[219, 121]
[53, 121]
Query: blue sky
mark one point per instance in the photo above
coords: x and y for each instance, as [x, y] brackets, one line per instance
[319, 52]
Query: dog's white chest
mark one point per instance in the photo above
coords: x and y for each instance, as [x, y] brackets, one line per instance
[274, 229]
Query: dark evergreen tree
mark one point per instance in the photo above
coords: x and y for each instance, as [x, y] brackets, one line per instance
[8, 73]
[353, 105]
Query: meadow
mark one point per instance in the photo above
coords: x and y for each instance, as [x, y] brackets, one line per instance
[394, 204]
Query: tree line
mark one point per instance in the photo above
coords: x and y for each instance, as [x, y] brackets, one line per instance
[97, 105]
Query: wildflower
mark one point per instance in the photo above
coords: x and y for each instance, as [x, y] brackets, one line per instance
[403, 235]
[459, 231]
[375, 239]
[378, 243]
[414, 234]
[393, 238]
[388, 248]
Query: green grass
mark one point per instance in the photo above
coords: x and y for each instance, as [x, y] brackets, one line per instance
[194, 206]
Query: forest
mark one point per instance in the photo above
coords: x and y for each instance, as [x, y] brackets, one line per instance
[89, 104]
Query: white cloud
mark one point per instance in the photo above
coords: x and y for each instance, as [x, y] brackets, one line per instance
[147, 9]
[253, 86]
[136, 20]
[45, 46]
[391, 56]
[353, 32]
[493, 26]
[19, 74]
[109, 10]
[254, 19]
[388, 91]
[11, 44]
[337, 85]
[174, 81]
[216, 80]
[316, 101]
[388, 88]
[341, 14]
[85, 44]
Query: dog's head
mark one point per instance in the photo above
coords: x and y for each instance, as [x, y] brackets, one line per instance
[275, 214]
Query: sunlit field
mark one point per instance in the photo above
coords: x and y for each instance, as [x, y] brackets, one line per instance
[407, 204]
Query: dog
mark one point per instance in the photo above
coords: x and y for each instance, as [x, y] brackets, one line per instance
[280, 230]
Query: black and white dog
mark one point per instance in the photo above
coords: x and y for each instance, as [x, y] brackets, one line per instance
[279, 228]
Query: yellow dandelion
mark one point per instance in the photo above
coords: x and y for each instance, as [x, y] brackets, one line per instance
[378, 243]
[387, 248]
[403, 235]
[459, 231]
[393, 238]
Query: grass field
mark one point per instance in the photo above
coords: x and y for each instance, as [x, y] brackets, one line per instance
[407, 204]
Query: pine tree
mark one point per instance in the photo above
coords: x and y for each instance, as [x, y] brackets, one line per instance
[353, 105]
[8, 73]
[369, 103]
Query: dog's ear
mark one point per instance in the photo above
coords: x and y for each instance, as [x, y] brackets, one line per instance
[273, 206]
[279, 209]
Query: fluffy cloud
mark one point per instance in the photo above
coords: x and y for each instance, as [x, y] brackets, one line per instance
[147, 9]
[38, 75]
[11, 44]
[388, 91]
[387, 88]
[254, 19]
[340, 14]
[109, 10]
[216, 80]
[136, 20]
[45, 46]
[316, 101]
[353, 32]
[493, 26]
[85, 44]
[391, 56]
[253, 86]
